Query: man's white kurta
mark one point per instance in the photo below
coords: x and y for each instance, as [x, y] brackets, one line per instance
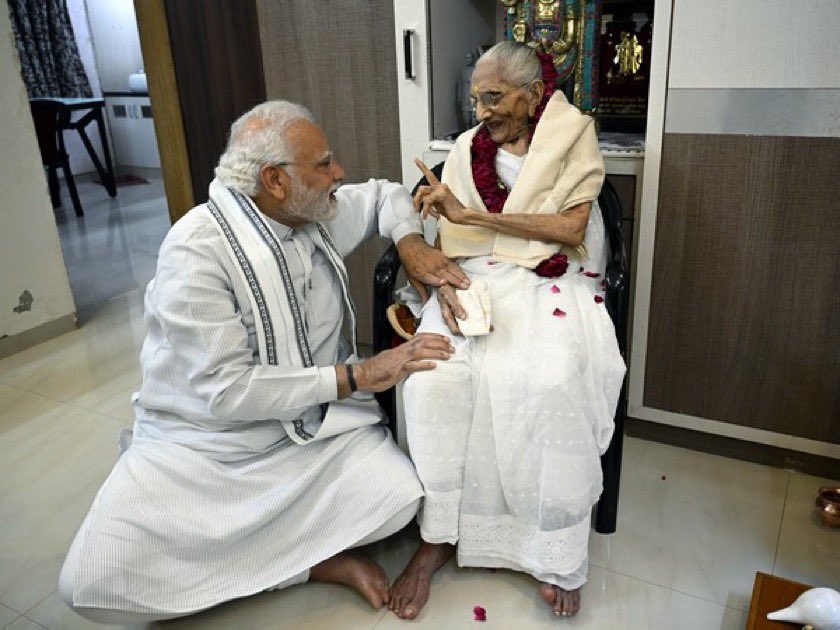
[213, 500]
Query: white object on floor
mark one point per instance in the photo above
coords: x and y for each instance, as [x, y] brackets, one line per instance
[818, 607]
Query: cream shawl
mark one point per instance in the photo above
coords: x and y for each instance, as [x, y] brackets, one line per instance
[563, 168]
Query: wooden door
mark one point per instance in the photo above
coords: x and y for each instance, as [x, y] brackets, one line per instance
[208, 61]
[337, 59]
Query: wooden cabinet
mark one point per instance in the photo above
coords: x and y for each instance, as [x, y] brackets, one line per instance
[736, 309]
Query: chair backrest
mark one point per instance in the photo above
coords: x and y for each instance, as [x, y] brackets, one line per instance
[610, 206]
[617, 274]
[45, 115]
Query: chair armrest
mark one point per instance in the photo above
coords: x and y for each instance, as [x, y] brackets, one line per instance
[617, 302]
[384, 279]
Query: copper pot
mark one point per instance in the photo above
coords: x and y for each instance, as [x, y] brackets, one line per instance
[828, 505]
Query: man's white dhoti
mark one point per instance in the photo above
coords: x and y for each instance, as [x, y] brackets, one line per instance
[506, 435]
[172, 531]
[239, 477]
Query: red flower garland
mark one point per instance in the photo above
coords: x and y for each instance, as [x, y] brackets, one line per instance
[493, 193]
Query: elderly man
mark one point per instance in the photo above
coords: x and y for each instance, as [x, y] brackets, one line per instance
[252, 466]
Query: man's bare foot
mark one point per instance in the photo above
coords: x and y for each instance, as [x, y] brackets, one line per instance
[411, 590]
[357, 572]
[563, 603]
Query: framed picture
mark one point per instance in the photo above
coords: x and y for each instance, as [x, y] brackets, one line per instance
[624, 65]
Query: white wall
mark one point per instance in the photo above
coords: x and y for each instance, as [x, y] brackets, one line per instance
[755, 67]
[116, 42]
[30, 252]
[755, 44]
[84, 40]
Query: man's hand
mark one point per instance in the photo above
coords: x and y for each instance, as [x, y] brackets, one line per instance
[425, 265]
[451, 308]
[387, 368]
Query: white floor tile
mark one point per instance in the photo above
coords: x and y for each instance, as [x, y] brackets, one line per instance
[609, 600]
[119, 406]
[22, 623]
[693, 522]
[53, 458]
[808, 550]
[54, 614]
[113, 248]
[7, 616]
[87, 366]
[301, 607]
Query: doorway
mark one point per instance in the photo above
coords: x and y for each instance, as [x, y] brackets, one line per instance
[110, 244]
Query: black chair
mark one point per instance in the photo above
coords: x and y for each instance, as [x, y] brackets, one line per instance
[48, 118]
[617, 303]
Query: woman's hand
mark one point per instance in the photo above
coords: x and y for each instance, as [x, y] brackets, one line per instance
[437, 199]
[451, 308]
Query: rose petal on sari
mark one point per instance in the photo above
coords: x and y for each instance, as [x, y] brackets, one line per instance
[559, 313]
[555, 288]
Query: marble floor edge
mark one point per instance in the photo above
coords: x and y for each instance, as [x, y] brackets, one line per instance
[73, 406]
[13, 609]
[17, 619]
[781, 524]
[35, 605]
[668, 588]
[382, 617]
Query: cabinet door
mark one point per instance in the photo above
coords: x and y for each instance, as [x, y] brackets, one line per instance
[411, 45]
[737, 316]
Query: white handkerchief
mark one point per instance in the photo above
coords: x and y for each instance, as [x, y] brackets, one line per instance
[476, 302]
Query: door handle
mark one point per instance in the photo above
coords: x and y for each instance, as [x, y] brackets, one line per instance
[408, 53]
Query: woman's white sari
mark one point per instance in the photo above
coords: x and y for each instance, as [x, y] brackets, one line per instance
[506, 435]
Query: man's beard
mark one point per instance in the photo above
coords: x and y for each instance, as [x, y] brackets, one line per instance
[310, 204]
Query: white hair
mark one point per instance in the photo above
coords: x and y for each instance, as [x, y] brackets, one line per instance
[257, 138]
[515, 63]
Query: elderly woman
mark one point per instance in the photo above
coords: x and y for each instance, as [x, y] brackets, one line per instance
[506, 435]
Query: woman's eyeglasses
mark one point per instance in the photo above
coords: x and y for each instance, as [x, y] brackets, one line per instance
[491, 98]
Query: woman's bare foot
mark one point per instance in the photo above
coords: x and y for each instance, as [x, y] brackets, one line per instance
[411, 590]
[357, 572]
[562, 602]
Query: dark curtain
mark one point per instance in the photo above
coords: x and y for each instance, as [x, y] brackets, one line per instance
[49, 57]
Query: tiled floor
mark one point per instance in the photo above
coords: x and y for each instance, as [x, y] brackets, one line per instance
[693, 528]
[113, 248]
